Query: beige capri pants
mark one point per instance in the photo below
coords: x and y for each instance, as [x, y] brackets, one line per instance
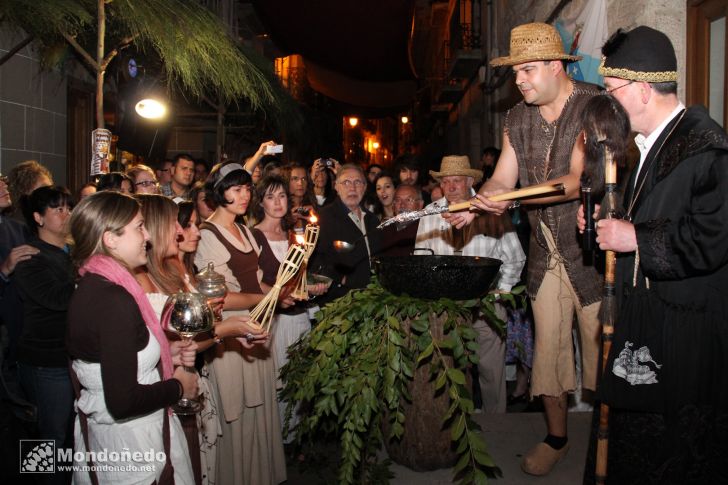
[553, 370]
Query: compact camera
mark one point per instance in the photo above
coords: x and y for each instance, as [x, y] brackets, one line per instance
[273, 149]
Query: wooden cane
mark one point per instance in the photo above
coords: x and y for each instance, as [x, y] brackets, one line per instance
[608, 316]
[529, 191]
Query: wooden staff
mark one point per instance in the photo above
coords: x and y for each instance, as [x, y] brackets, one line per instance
[431, 209]
[608, 314]
[309, 244]
[529, 191]
[263, 311]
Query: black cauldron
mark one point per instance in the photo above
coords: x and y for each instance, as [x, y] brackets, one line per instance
[433, 277]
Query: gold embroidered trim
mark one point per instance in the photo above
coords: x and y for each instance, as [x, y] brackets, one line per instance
[637, 269]
[650, 77]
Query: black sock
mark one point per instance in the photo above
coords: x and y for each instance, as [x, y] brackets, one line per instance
[556, 442]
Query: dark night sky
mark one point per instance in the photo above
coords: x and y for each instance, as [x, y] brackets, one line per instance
[356, 51]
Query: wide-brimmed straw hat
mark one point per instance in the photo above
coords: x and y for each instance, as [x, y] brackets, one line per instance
[456, 165]
[534, 42]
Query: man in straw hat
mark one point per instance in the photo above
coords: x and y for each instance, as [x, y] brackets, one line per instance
[491, 238]
[666, 378]
[542, 143]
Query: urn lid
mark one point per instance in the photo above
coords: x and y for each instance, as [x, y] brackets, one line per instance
[209, 276]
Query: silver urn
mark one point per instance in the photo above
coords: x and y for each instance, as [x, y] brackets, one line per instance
[188, 314]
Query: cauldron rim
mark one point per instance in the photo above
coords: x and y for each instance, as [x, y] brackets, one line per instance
[445, 275]
[439, 259]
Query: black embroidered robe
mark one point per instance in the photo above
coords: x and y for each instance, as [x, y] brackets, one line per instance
[667, 373]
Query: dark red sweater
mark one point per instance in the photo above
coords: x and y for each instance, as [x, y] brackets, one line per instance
[106, 326]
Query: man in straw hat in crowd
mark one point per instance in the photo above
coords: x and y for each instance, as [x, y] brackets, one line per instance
[666, 379]
[542, 143]
[489, 237]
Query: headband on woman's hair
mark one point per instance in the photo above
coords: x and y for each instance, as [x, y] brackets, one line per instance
[227, 169]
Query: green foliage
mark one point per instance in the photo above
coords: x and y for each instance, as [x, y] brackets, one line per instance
[46, 20]
[352, 370]
[194, 47]
[198, 54]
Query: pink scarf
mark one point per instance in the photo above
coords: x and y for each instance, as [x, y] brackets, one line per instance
[110, 269]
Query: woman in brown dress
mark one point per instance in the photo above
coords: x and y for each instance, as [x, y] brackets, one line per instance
[250, 450]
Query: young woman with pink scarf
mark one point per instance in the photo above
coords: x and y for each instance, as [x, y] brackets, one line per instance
[123, 366]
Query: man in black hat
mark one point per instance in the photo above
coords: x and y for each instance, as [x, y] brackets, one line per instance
[666, 379]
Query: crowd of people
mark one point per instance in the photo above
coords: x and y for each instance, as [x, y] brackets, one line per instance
[85, 279]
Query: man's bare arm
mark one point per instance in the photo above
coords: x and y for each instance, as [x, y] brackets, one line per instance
[504, 179]
[571, 181]
[505, 175]
[501, 182]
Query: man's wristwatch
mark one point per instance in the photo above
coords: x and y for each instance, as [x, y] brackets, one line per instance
[515, 205]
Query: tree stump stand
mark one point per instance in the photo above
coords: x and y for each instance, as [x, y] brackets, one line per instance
[425, 445]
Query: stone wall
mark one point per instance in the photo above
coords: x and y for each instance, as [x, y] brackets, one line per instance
[477, 121]
[32, 111]
[668, 16]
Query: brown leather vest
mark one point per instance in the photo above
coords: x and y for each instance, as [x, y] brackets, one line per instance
[543, 151]
[244, 266]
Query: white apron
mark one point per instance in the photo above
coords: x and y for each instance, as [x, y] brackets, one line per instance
[138, 434]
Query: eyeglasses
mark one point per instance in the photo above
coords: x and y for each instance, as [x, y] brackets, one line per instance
[147, 183]
[349, 183]
[610, 91]
[409, 200]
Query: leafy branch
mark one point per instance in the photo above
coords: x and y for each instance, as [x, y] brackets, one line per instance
[474, 457]
[350, 375]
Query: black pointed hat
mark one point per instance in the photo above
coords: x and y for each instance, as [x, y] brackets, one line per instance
[642, 54]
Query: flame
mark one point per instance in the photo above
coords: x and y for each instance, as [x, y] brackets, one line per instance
[300, 239]
[313, 219]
